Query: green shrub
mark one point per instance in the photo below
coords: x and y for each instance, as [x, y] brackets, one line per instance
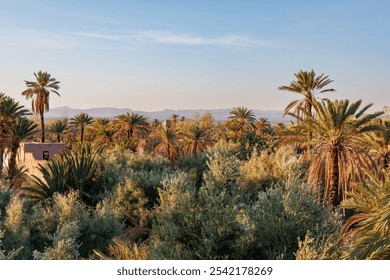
[64, 244]
[194, 167]
[127, 202]
[223, 169]
[192, 224]
[16, 229]
[7, 255]
[280, 218]
[264, 170]
[319, 247]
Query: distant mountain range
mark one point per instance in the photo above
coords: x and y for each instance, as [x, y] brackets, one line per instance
[274, 116]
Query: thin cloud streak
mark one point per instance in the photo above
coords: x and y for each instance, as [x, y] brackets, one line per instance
[185, 39]
[169, 37]
[69, 40]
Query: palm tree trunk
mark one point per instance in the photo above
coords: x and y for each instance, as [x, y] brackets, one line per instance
[1, 161]
[334, 198]
[195, 149]
[12, 160]
[82, 135]
[130, 132]
[58, 137]
[43, 127]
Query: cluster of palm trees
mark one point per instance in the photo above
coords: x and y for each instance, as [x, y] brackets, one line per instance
[132, 130]
[342, 140]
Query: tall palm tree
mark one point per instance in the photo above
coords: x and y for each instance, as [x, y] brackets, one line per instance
[167, 146]
[81, 121]
[40, 91]
[308, 85]
[241, 120]
[369, 227]
[335, 145]
[20, 128]
[195, 139]
[133, 122]
[9, 110]
[58, 128]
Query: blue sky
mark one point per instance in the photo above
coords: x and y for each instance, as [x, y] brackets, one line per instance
[153, 55]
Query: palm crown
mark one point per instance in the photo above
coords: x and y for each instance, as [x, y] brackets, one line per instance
[81, 121]
[309, 86]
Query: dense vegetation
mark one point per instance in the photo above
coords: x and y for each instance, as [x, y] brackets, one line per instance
[133, 188]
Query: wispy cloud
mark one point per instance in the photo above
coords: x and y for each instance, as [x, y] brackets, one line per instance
[34, 39]
[186, 39]
[169, 37]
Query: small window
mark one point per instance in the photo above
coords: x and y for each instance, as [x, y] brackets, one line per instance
[46, 155]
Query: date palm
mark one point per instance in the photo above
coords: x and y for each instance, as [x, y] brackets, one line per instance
[9, 111]
[174, 118]
[336, 145]
[167, 146]
[195, 139]
[308, 85]
[263, 126]
[241, 121]
[58, 128]
[133, 122]
[20, 128]
[101, 122]
[39, 91]
[81, 121]
[107, 135]
[105, 130]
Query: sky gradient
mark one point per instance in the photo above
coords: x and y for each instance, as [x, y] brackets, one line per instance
[154, 55]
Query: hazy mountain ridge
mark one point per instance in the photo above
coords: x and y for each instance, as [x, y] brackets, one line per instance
[274, 116]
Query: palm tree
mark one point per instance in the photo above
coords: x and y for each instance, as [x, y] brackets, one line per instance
[263, 126]
[309, 86]
[133, 122]
[241, 120]
[20, 128]
[174, 120]
[58, 128]
[101, 122]
[195, 139]
[105, 130]
[233, 130]
[9, 110]
[40, 91]
[335, 145]
[167, 146]
[369, 227]
[81, 121]
[107, 135]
